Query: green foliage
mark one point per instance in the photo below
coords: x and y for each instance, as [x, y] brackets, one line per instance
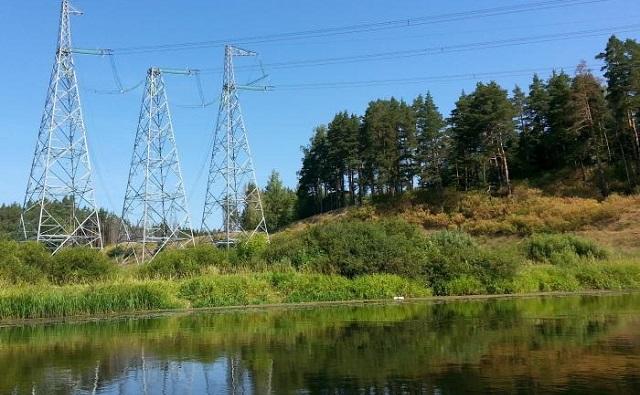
[291, 287]
[562, 248]
[38, 302]
[181, 263]
[545, 278]
[312, 287]
[356, 248]
[455, 260]
[79, 265]
[386, 286]
[464, 285]
[279, 203]
[23, 262]
[249, 251]
[353, 248]
[228, 290]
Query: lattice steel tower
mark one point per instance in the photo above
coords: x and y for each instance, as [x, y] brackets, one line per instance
[155, 213]
[233, 207]
[59, 207]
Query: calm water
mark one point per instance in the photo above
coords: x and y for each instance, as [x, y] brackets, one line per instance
[578, 344]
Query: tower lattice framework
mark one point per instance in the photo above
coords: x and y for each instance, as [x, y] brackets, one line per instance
[155, 212]
[59, 207]
[233, 207]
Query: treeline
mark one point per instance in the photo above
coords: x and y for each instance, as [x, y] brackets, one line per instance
[491, 138]
[278, 202]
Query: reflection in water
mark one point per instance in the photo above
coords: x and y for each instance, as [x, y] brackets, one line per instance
[580, 344]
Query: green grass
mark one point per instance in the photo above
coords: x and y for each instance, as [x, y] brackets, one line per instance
[73, 300]
[30, 301]
[344, 260]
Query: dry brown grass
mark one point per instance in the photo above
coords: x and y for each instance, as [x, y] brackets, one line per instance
[614, 222]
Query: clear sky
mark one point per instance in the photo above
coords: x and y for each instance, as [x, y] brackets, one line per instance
[281, 121]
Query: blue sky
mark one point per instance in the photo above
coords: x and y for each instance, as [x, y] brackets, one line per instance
[278, 122]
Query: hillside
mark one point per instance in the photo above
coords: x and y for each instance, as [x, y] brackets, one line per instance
[613, 222]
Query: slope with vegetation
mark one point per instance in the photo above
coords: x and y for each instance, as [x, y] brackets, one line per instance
[376, 251]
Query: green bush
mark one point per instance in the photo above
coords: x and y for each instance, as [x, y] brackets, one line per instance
[545, 278]
[562, 248]
[464, 285]
[454, 255]
[353, 248]
[181, 263]
[22, 263]
[79, 265]
[250, 250]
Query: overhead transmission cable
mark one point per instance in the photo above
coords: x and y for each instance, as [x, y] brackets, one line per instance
[121, 89]
[362, 27]
[441, 49]
[415, 80]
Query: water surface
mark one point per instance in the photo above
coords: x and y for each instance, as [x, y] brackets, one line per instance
[576, 344]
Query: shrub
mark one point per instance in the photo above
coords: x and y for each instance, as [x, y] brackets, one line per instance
[186, 262]
[452, 254]
[79, 265]
[464, 285]
[545, 278]
[353, 248]
[252, 248]
[22, 262]
[562, 248]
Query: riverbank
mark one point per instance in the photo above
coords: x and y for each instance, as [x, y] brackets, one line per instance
[336, 259]
[35, 302]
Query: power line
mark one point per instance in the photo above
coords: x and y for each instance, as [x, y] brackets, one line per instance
[441, 49]
[362, 27]
[414, 80]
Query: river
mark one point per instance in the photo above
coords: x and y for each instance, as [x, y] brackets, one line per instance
[554, 344]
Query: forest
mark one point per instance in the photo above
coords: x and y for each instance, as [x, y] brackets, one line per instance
[576, 124]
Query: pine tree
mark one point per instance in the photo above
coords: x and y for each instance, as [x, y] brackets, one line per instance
[589, 116]
[531, 148]
[279, 203]
[622, 71]
[430, 142]
[312, 177]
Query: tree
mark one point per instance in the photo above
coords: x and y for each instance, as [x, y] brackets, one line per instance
[431, 141]
[622, 71]
[342, 137]
[589, 116]
[279, 203]
[484, 133]
[465, 143]
[558, 140]
[531, 147]
[492, 116]
[250, 216]
[313, 175]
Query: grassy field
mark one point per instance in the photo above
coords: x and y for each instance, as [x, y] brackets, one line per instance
[466, 244]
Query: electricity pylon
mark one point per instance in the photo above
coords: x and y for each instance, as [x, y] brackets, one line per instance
[155, 213]
[233, 199]
[59, 207]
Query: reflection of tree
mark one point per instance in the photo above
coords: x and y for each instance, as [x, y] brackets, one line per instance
[417, 347]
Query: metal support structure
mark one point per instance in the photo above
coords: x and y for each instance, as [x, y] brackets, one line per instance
[155, 212]
[59, 207]
[233, 208]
